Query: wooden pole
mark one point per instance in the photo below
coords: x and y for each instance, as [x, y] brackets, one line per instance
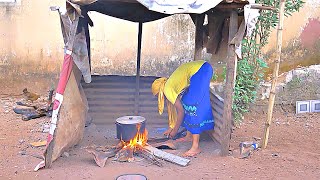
[136, 104]
[199, 19]
[230, 79]
[274, 76]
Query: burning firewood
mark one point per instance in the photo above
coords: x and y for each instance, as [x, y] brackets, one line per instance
[137, 146]
[125, 155]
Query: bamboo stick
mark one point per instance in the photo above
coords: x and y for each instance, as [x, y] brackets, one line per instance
[274, 76]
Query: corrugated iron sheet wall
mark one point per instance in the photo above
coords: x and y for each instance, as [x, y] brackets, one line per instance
[217, 104]
[111, 96]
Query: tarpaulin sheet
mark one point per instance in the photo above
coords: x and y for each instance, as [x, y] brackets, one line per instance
[178, 6]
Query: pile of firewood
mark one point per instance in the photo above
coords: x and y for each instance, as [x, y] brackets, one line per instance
[123, 153]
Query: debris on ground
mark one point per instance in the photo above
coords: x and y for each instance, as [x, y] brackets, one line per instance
[33, 111]
[66, 154]
[45, 128]
[247, 147]
[38, 143]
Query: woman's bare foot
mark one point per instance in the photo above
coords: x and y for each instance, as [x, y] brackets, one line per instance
[192, 152]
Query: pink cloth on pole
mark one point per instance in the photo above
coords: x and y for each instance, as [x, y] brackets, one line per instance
[65, 73]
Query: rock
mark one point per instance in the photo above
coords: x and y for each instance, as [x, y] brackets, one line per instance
[275, 155]
[66, 154]
[46, 128]
[6, 111]
[21, 141]
[289, 76]
[22, 153]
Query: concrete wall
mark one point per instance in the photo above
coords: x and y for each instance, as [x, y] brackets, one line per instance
[165, 43]
[30, 38]
[301, 39]
[31, 41]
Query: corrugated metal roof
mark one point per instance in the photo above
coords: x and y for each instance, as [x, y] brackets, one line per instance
[111, 96]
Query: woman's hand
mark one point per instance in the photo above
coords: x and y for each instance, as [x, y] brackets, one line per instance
[167, 132]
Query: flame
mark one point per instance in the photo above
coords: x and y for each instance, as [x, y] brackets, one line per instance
[139, 140]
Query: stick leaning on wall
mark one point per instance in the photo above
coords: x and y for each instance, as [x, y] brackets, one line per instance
[274, 76]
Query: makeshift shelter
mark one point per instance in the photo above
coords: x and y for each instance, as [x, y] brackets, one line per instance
[67, 126]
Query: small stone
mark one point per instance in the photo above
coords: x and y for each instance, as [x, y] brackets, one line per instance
[66, 154]
[275, 155]
[22, 153]
[46, 128]
[21, 141]
[6, 111]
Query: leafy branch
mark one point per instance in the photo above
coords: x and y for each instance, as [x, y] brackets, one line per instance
[250, 69]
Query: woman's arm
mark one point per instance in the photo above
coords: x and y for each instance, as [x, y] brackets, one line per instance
[180, 116]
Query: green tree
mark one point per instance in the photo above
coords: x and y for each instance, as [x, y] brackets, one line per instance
[250, 69]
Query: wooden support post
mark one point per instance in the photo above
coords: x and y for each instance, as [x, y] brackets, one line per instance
[199, 19]
[230, 79]
[274, 76]
[136, 104]
[215, 26]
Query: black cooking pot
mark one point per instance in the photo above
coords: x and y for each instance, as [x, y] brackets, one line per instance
[127, 127]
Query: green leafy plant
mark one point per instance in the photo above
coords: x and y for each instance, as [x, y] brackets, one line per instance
[250, 69]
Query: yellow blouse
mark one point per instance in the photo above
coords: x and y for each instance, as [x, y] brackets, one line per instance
[180, 79]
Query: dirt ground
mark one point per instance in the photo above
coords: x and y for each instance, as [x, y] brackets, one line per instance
[292, 152]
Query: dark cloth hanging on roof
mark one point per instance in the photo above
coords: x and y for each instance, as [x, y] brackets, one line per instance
[134, 12]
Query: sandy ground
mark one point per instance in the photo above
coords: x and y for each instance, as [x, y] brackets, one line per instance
[292, 152]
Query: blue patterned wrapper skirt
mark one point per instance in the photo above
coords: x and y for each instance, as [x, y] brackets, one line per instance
[196, 102]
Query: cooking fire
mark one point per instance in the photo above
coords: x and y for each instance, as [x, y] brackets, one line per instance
[133, 137]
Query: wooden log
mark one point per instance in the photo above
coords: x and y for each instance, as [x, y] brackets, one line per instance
[149, 156]
[167, 156]
[125, 154]
[275, 75]
[199, 18]
[230, 80]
